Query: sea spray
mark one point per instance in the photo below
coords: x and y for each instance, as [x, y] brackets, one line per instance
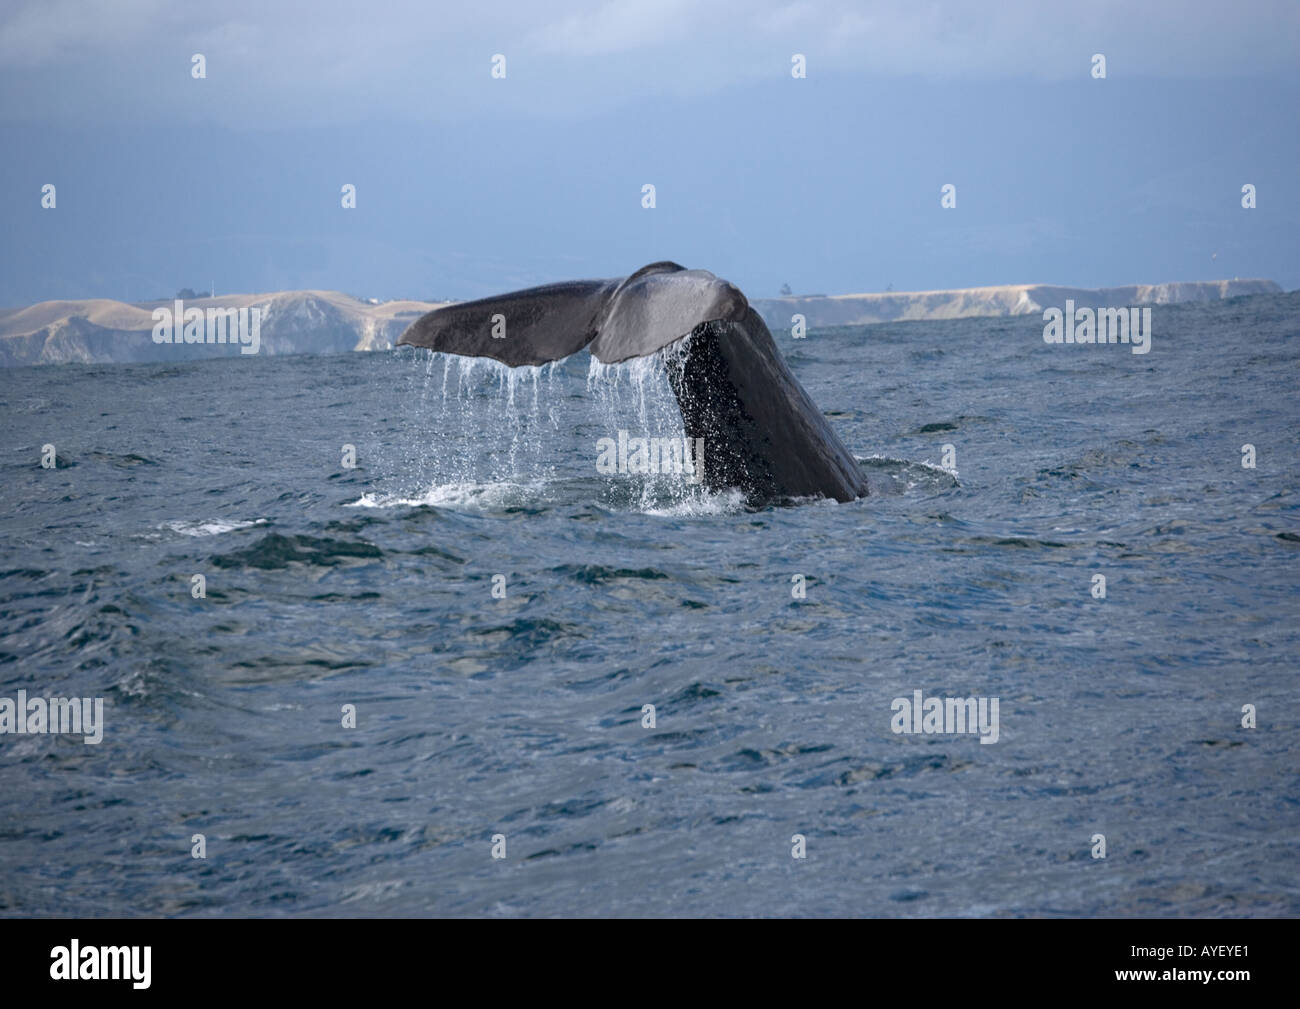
[479, 422]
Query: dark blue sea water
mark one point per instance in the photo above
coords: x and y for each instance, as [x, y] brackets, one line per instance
[476, 716]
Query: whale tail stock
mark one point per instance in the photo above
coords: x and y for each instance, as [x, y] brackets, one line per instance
[762, 432]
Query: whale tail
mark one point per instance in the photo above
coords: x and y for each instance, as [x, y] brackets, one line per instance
[762, 432]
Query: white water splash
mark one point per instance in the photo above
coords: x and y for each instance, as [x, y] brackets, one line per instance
[210, 527]
[466, 495]
[493, 436]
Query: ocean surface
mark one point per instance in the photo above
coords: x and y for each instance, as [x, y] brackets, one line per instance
[476, 716]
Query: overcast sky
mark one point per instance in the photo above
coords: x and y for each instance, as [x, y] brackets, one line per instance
[468, 184]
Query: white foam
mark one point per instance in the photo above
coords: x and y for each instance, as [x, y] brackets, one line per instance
[209, 527]
[725, 502]
[463, 495]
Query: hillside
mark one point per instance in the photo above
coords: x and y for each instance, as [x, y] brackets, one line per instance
[293, 322]
[1014, 299]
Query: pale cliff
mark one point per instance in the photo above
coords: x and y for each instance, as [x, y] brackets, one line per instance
[1014, 299]
[293, 322]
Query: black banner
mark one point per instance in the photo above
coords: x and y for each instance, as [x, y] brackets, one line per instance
[338, 957]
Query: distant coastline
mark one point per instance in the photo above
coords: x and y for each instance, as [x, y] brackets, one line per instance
[1011, 299]
[304, 322]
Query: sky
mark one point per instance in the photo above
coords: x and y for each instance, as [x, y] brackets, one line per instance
[468, 184]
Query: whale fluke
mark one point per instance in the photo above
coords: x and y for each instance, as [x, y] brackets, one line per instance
[762, 432]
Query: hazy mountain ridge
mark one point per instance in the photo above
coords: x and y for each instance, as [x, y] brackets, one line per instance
[305, 322]
[293, 322]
